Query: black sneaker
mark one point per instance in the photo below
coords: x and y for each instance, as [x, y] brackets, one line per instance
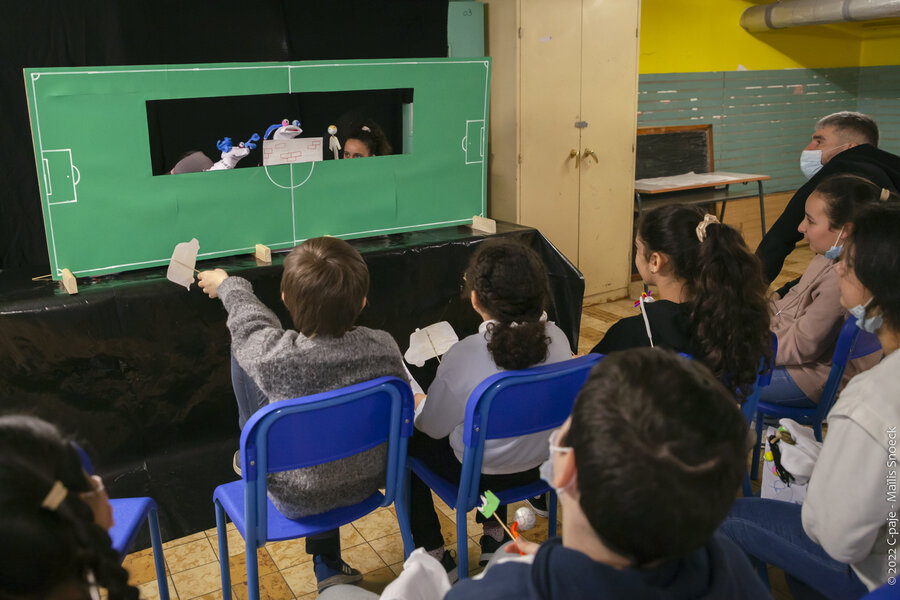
[539, 505]
[236, 462]
[448, 561]
[489, 547]
[329, 573]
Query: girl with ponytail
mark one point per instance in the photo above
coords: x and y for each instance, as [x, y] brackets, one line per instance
[53, 520]
[711, 301]
[507, 285]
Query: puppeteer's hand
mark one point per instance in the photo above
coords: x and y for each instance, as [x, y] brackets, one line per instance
[523, 545]
[209, 281]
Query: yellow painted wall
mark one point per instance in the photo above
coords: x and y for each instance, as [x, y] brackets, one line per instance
[679, 36]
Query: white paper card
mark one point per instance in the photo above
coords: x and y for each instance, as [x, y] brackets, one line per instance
[286, 152]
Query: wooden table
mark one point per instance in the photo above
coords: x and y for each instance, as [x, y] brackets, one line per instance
[699, 188]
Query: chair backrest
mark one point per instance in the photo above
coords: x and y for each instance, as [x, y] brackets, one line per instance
[307, 431]
[763, 378]
[516, 403]
[852, 343]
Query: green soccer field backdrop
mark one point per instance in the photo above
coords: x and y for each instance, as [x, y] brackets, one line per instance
[104, 211]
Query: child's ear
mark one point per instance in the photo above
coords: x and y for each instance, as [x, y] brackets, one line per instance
[566, 474]
[657, 261]
[365, 301]
[282, 297]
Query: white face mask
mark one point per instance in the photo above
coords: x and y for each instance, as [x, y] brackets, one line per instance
[810, 162]
[546, 469]
[872, 324]
[835, 250]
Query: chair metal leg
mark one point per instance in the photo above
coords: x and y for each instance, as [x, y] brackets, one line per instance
[223, 551]
[551, 502]
[754, 462]
[159, 559]
[462, 542]
[762, 207]
[252, 572]
[401, 505]
[747, 489]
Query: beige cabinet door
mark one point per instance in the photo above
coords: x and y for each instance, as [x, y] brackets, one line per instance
[609, 78]
[550, 99]
[579, 65]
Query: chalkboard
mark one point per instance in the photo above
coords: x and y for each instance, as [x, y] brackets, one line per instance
[665, 151]
[105, 211]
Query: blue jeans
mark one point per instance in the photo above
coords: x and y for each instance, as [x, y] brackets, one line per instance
[248, 395]
[784, 391]
[771, 531]
[249, 400]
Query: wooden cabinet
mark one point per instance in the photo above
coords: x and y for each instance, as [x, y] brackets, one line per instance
[563, 119]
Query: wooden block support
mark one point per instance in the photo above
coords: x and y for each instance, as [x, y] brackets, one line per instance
[484, 224]
[263, 253]
[68, 282]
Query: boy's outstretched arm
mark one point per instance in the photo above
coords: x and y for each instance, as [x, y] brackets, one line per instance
[209, 281]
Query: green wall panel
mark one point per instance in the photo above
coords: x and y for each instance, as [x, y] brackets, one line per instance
[763, 119]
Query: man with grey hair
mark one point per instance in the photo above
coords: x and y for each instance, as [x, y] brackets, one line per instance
[843, 142]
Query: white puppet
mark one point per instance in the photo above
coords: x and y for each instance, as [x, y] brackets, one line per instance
[333, 144]
[285, 131]
[232, 154]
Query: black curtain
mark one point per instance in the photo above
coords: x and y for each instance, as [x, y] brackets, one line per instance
[59, 33]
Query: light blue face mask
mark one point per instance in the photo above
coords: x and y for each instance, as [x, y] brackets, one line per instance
[810, 162]
[872, 324]
[835, 250]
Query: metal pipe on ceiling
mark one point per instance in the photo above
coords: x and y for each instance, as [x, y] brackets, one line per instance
[795, 13]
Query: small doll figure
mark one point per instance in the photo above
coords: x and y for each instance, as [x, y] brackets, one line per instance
[333, 144]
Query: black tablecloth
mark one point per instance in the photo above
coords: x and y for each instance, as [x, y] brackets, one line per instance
[137, 368]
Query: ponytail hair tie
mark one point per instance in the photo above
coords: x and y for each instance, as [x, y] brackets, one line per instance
[55, 496]
[701, 228]
[366, 128]
[885, 194]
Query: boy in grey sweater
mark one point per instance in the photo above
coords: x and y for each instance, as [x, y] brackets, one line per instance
[324, 287]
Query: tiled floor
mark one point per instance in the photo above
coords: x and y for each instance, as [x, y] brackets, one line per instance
[371, 544]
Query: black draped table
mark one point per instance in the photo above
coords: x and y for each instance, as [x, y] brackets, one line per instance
[137, 368]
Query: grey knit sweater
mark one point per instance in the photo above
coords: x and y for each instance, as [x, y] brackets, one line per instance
[285, 364]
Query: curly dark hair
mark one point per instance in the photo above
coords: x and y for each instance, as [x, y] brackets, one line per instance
[510, 284]
[661, 448]
[65, 545]
[724, 289]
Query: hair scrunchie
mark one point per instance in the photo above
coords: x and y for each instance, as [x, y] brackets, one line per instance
[701, 228]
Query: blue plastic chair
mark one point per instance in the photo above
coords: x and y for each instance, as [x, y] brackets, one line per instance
[852, 343]
[763, 378]
[307, 431]
[508, 404]
[129, 515]
[885, 592]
